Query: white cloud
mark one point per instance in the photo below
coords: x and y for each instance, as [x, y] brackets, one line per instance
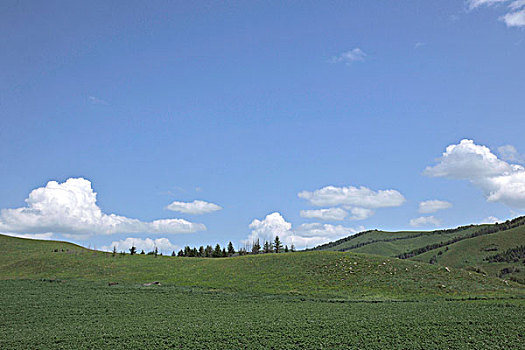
[472, 4]
[490, 220]
[360, 213]
[70, 208]
[499, 180]
[432, 206]
[148, 245]
[514, 19]
[510, 154]
[515, 13]
[425, 221]
[350, 56]
[330, 214]
[41, 236]
[361, 197]
[195, 207]
[305, 235]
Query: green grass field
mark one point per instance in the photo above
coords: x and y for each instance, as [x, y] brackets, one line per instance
[56, 295]
[71, 315]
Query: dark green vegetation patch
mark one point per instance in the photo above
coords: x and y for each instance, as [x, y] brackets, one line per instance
[67, 315]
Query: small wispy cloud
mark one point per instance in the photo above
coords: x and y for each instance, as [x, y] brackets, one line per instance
[349, 56]
[419, 44]
[196, 207]
[97, 101]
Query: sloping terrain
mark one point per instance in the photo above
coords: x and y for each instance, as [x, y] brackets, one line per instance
[313, 274]
[467, 247]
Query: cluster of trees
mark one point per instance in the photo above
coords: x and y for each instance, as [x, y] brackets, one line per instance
[511, 255]
[484, 230]
[276, 246]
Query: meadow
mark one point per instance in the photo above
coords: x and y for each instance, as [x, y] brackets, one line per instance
[64, 315]
[57, 295]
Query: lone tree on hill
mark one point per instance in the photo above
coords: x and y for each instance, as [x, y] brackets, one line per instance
[173, 253]
[231, 250]
[114, 251]
[156, 252]
[256, 247]
[142, 252]
[277, 245]
[132, 250]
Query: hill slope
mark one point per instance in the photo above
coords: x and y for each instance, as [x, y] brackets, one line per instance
[315, 274]
[464, 247]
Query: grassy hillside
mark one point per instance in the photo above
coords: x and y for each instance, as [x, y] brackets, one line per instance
[473, 254]
[314, 274]
[467, 247]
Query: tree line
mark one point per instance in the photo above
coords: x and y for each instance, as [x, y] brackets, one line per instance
[275, 246]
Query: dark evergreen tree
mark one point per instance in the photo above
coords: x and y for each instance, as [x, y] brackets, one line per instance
[201, 251]
[286, 248]
[231, 250]
[132, 250]
[208, 252]
[114, 251]
[256, 247]
[156, 252]
[173, 253]
[267, 247]
[142, 252]
[292, 248]
[224, 253]
[180, 253]
[277, 245]
[217, 252]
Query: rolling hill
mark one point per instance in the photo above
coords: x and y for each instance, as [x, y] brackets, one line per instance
[315, 274]
[466, 247]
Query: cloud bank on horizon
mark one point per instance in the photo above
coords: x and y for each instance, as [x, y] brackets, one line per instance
[70, 209]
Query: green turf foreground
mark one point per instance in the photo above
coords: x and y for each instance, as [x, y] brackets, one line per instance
[80, 314]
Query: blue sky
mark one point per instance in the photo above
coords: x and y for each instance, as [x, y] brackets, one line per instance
[245, 105]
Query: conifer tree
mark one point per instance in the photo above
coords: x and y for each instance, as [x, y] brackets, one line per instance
[231, 250]
[277, 245]
[217, 252]
[256, 247]
[267, 247]
[132, 250]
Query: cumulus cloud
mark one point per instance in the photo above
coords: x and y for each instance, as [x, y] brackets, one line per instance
[360, 213]
[330, 214]
[70, 208]
[196, 207]
[500, 181]
[305, 235]
[349, 56]
[162, 244]
[361, 197]
[515, 10]
[432, 206]
[425, 221]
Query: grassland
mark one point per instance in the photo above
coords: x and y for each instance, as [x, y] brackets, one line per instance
[459, 248]
[55, 295]
[66, 315]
